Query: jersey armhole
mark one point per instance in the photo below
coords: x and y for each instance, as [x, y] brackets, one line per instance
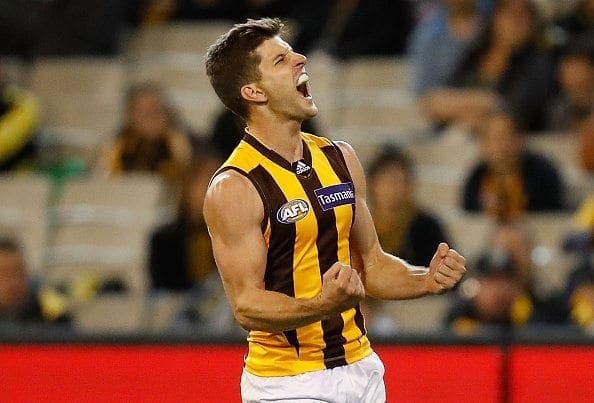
[265, 204]
[341, 159]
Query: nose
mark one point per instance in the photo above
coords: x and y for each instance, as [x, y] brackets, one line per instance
[301, 59]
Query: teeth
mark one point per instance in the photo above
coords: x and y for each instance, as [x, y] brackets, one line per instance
[303, 78]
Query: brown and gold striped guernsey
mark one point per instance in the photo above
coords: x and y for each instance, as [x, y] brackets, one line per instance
[309, 210]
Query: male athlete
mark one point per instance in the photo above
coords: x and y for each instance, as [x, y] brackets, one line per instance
[292, 235]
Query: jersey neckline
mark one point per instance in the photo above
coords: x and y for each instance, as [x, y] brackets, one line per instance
[276, 157]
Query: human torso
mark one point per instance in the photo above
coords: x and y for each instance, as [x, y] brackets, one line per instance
[309, 209]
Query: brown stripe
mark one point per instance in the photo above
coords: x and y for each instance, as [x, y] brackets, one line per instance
[327, 245]
[279, 261]
[359, 320]
[338, 163]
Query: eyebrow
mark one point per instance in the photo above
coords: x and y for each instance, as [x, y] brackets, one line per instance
[282, 54]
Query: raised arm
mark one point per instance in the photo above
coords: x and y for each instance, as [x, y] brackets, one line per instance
[385, 276]
[233, 211]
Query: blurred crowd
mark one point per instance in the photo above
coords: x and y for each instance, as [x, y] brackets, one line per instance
[491, 72]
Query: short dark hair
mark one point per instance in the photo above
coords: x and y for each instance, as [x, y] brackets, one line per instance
[391, 155]
[232, 62]
[10, 245]
[138, 88]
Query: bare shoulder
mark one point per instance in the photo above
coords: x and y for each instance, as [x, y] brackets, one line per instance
[232, 200]
[346, 148]
[228, 184]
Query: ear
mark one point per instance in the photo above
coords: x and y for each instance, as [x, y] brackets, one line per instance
[251, 92]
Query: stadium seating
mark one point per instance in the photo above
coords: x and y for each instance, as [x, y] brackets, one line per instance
[23, 203]
[173, 55]
[14, 70]
[375, 103]
[101, 228]
[419, 316]
[174, 37]
[81, 100]
[552, 265]
[112, 314]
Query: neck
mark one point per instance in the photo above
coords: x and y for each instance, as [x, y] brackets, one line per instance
[283, 137]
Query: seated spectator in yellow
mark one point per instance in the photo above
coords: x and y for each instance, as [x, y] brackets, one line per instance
[509, 179]
[180, 252]
[149, 141]
[499, 289]
[404, 228]
[578, 298]
[19, 113]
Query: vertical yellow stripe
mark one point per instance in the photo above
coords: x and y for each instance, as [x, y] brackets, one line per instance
[306, 270]
[344, 215]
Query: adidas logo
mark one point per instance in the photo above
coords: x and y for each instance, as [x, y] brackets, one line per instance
[302, 168]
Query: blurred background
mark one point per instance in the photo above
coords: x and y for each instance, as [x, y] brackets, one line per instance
[473, 118]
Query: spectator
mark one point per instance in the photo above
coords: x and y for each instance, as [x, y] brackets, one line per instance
[506, 65]
[403, 227]
[149, 140]
[509, 179]
[20, 302]
[19, 112]
[571, 107]
[180, 252]
[440, 41]
[578, 297]
[500, 290]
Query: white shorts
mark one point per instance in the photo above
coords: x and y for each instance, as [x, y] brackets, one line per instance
[360, 382]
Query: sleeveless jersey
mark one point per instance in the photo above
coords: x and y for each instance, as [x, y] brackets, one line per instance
[308, 213]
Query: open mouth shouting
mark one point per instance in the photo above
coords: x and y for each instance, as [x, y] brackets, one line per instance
[303, 86]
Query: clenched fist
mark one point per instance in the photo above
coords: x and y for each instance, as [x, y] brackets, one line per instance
[445, 270]
[342, 288]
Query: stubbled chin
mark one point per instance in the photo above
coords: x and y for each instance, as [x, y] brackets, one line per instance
[313, 110]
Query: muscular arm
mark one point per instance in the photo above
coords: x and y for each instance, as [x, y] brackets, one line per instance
[233, 211]
[385, 276]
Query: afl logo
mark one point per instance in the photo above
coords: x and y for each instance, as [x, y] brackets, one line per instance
[291, 211]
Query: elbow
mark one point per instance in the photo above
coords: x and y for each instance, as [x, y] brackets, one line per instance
[249, 320]
[243, 319]
[241, 311]
[247, 317]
